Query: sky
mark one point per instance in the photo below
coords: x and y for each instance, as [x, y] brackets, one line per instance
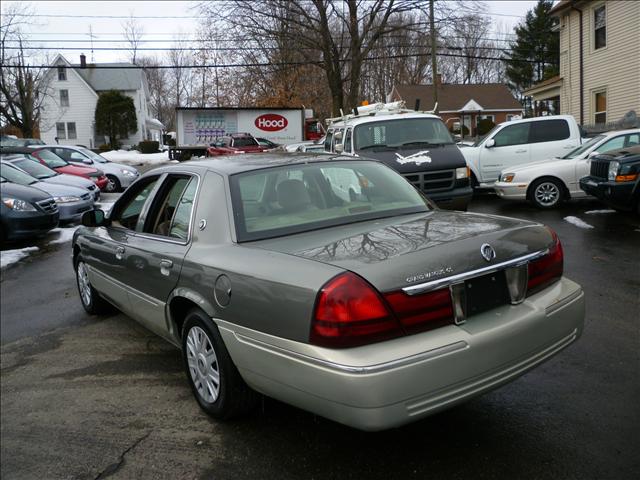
[505, 15]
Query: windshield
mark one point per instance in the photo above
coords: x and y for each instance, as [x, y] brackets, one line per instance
[93, 155]
[34, 168]
[403, 132]
[584, 147]
[297, 198]
[14, 175]
[51, 159]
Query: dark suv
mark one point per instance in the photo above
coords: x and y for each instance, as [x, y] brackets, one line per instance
[615, 179]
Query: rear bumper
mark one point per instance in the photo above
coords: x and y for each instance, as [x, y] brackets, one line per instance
[511, 191]
[456, 199]
[616, 194]
[392, 383]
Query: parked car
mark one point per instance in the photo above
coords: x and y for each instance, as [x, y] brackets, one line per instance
[19, 142]
[235, 143]
[614, 178]
[548, 183]
[295, 147]
[29, 164]
[264, 142]
[119, 176]
[363, 304]
[53, 161]
[72, 201]
[415, 144]
[25, 212]
[517, 142]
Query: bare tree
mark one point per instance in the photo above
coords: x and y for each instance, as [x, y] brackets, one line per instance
[179, 75]
[23, 90]
[133, 32]
[159, 91]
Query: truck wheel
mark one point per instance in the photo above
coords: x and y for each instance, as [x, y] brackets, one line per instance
[546, 193]
[214, 379]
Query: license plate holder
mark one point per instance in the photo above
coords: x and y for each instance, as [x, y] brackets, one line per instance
[486, 292]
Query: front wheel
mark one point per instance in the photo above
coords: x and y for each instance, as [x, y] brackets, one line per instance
[546, 193]
[113, 185]
[214, 379]
[91, 300]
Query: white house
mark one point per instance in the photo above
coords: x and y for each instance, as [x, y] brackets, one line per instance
[69, 109]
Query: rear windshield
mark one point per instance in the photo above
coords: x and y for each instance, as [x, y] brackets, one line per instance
[245, 142]
[51, 159]
[297, 198]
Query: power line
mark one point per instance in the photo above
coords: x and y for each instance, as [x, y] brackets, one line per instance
[126, 17]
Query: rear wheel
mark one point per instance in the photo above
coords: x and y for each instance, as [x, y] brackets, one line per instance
[546, 193]
[113, 185]
[214, 379]
[91, 300]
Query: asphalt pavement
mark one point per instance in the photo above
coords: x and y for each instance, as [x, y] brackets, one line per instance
[97, 397]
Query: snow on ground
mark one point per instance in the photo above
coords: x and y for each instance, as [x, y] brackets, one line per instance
[9, 257]
[133, 157]
[577, 222]
[593, 212]
[64, 235]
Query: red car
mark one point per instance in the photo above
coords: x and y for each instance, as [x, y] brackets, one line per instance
[53, 161]
[235, 143]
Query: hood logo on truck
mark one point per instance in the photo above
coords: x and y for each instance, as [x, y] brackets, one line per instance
[417, 158]
[487, 252]
[271, 122]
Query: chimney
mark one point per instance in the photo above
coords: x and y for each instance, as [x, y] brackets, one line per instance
[438, 79]
[83, 61]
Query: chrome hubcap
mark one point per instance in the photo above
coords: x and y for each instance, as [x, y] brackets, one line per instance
[203, 365]
[83, 284]
[547, 194]
[111, 185]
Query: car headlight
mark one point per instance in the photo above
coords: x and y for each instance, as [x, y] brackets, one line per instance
[18, 205]
[128, 173]
[613, 170]
[462, 172]
[66, 199]
[507, 177]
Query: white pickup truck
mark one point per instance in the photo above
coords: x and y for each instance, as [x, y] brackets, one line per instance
[518, 142]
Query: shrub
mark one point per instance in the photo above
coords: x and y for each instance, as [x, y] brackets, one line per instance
[484, 126]
[104, 147]
[148, 146]
[465, 129]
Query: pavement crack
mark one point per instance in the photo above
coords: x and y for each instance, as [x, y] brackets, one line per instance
[114, 467]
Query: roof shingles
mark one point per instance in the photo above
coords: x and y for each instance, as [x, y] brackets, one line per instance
[452, 97]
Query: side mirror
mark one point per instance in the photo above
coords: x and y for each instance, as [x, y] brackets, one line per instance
[94, 218]
[490, 143]
[338, 135]
[339, 148]
[87, 161]
[593, 154]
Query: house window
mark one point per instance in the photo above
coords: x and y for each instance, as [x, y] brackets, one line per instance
[62, 73]
[600, 27]
[488, 117]
[60, 132]
[600, 101]
[510, 117]
[71, 130]
[64, 98]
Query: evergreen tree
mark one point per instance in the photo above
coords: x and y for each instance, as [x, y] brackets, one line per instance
[535, 53]
[115, 116]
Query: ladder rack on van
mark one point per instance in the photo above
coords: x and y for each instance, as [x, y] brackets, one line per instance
[376, 109]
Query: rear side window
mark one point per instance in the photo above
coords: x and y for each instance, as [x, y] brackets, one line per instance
[549, 131]
[513, 135]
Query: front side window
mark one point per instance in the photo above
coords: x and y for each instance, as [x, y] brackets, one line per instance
[60, 131]
[623, 141]
[296, 198]
[62, 73]
[328, 140]
[513, 135]
[127, 213]
[171, 212]
[64, 98]
[71, 130]
[600, 101]
[347, 140]
[549, 131]
[600, 27]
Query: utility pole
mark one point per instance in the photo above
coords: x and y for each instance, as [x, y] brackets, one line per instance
[434, 61]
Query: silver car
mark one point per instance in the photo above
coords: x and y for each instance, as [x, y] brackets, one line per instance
[120, 176]
[33, 167]
[327, 282]
[72, 201]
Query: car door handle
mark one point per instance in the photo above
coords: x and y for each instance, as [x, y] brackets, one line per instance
[521, 151]
[120, 253]
[165, 267]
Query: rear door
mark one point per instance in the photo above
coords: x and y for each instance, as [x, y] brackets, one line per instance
[511, 148]
[551, 138]
[156, 250]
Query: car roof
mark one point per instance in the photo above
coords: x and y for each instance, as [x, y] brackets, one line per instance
[231, 164]
[380, 117]
[612, 133]
[9, 150]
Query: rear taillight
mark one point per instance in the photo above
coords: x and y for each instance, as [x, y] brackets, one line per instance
[546, 270]
[417, 313]
[350, 312]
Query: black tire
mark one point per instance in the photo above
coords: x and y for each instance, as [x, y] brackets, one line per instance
[114, 184]
[547, 193]
[233, 397]
[91, 300]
